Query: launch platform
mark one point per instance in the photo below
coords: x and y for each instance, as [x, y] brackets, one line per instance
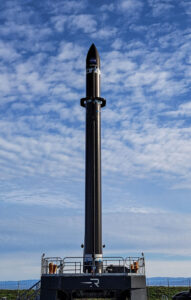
[120, 279]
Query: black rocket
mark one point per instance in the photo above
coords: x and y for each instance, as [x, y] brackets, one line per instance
[100, 277]
[93, 211]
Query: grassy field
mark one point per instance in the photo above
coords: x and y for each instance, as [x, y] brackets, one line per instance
[10, 294]
[154, 292]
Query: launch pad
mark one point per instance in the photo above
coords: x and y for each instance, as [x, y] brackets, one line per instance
[120, 279]
[93, 275]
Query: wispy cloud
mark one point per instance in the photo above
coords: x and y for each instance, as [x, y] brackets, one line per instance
[75, 23]
[104, 33]
[145, 64]
[81, 21]
[130, 7]
[107, 7]
[66, 6]
[161, 8]
[187, 6]
[153, 233]
[183, 110]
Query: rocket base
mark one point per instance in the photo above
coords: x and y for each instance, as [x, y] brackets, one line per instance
[74, 286]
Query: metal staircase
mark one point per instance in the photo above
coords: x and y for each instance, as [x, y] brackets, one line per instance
[33, 293]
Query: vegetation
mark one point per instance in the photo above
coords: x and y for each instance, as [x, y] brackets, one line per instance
[154, 292]
[12, 294]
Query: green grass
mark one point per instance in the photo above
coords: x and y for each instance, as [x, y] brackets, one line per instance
[10, 294]
[154, 292]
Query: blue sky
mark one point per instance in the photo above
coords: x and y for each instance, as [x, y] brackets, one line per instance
[146, 131]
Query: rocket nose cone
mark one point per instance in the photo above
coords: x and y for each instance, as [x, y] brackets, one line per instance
[93, 58]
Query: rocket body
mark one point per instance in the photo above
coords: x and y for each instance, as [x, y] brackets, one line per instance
[93, 210]
[93, 218]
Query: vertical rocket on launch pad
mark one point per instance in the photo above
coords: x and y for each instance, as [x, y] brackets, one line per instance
[93, 276]
[93, 215]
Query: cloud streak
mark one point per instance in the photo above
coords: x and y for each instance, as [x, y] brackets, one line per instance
[146, 132]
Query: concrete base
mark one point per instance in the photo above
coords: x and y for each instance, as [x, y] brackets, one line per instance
[74, 286]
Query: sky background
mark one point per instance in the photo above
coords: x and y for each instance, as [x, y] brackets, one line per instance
[145, 50]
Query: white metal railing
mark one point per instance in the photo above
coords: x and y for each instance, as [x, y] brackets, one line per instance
[136, 265]
[75, 265]
[51, 265]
